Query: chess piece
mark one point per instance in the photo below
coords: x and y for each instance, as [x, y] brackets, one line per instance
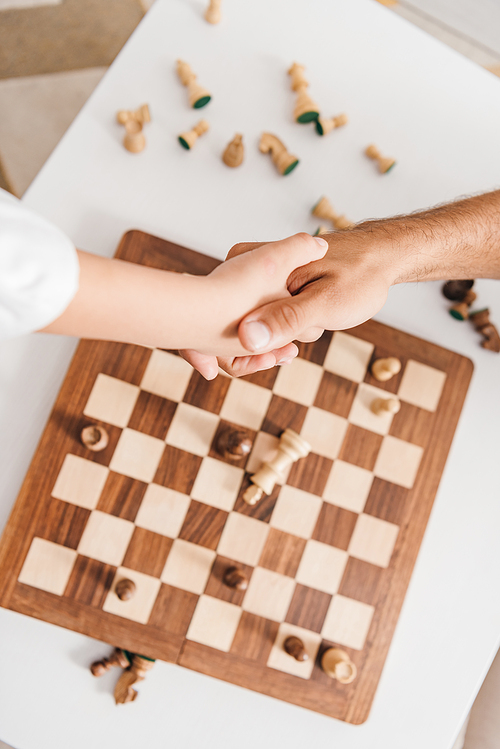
[141, 115]
[324, 209]
[337, 664]
[382, 406]
[134, 140]
[283, 161]
[291, 447]
[385, 369]
[189, 138]
[306, 110]
[235, 150]
[139, 666]
[460, 310]
[234, 444]
[94, 437]
[212, 13]
[384, 164]
[456, 291]
[295, 647]
[234, 577]
[481, 322]
[125, 589]
[198, 96]
[322, 229]
[325, 125]
[117, 658]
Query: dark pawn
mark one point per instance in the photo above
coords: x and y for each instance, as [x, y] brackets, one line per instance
[236, 578]
[295, 647]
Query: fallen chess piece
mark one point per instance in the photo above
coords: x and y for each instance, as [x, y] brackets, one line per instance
[381, 406]
[134, 140]
[189, 138]
[306, 110]
[197, 95]
[456, 291]
[234, 444]
[295, 647]
[383, 162]
[125, 589]
[212, 13]
[324, 209]
[283, 161]
[142, 115]
[291, 447]
[234, 577]
[139, 666]
[337, 664]
[385, 369]
[94, 437]
[118, 658]
[481, 322]
[325, 125]
[460, 310]
[235, 151]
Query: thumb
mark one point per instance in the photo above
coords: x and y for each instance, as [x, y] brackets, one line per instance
[277, 323]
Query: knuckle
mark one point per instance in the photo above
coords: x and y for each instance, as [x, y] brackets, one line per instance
[290, 318]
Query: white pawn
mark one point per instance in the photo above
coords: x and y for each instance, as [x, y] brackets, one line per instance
[382, 406]
[384, 369]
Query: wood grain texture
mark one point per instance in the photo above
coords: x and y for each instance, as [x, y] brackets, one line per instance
[37, 513]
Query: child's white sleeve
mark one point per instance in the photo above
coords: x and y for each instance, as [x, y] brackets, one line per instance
[38, 269]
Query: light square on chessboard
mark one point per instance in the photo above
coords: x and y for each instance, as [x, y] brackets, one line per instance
[192, 429]
[321, 567]
[137, 455]
[282, 661]
[80, 482]
[373, 540]
[347, 622]
[217, 484]
[105, 538]
[296, 512]
[361, 413]
[214, 623]
[348, 356]
[188, 566]
[111, 400]
[166, 375]
[421, 385]
[269, 594]
[163, 510]
[139, 607]
[299, 381]
[246, 404]
[348, 486]
[47, 566]
[324, 431]
[398, 461]
[243, 538]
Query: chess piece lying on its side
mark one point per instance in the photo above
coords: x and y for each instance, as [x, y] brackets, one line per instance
[291, 447]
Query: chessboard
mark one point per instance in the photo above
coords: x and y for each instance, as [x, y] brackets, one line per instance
[328, 554]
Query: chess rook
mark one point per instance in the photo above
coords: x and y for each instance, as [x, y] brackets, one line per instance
[325, 125]
[139, 666]
[295, 647]
[189, 138]
[235, 151]
[94, 437]
[384, 164]
[385, 369]
[337, 664]
[283, 161]
[197, 95]
[291, 447]
[117, 658]
[212, 13]
[306, 110]
[324, 209]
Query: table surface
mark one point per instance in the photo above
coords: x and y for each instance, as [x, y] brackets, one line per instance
[439, 115]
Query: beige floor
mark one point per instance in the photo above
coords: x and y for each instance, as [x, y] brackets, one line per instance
[54, 52]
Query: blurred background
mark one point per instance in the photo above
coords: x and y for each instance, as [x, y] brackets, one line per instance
[53, 53]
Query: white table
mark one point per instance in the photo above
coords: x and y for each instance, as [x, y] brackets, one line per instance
[439, 115]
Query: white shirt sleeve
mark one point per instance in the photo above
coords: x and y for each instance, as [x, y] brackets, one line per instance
[38, 269]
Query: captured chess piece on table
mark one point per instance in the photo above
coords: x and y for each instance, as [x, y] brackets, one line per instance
[384, 369]
[189, 138]
[383, 162]
[481, 322]
[197, 95]
[325, 125]
[94, 437]
[460, 310]
[235, 151]
[291, 447]
[306, 110]
[136, 672]
[283, 161]
[212, 13]
[337, 664]
[134, 121]
[117, 658]
[142, 115]
[324, 209]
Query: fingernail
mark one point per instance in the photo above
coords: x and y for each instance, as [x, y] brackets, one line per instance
[258, 334]
[285, 361]
[322, 242]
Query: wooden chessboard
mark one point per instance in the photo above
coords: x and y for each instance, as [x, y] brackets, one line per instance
[329, 554]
